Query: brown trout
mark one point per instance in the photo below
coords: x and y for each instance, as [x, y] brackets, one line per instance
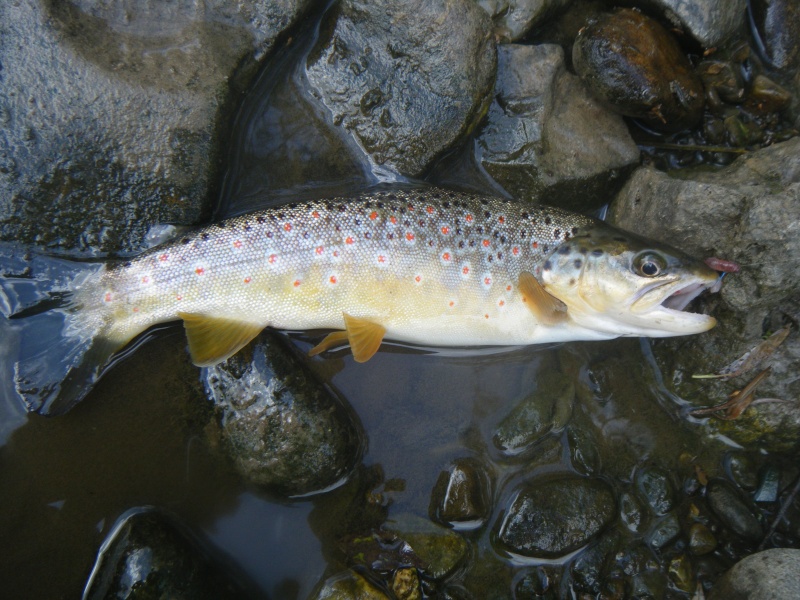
[427, 267]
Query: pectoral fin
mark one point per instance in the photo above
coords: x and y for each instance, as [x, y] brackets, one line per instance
[364, 337]
[213, 339]
[547, 309]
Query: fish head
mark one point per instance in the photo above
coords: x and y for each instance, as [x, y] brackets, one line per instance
[614, 282]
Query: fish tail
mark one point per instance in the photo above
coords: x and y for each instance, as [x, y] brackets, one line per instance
[62, 343]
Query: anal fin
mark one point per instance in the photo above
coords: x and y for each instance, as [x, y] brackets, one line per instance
[364, 337]
[213, 339]
[547, 309]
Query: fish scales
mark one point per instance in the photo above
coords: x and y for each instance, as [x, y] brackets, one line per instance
[442, 264]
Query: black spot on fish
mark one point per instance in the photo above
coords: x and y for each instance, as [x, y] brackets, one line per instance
[479, 229]
[557, 233]
[430, 243]
[260, 220]
[392, 197]
[547, 220]
[342, 208]
[597, 253]
[458, 231]
[422, 223]
[461, 244]
[204, 236]
[402, 210]
[379, 205]
[547, 265]
[368, 204]
[574, 230]
[247, 227]
[525, 215]
[578, 263]
[472, 243]
[496, 234]
[358, 221]
[566, 235]
[390, 236]
[437, 195]
[269, 234]
[565, 249]
[546, 248]
[293, 205]
[305, 235]
[487, 214]
[446, 204]
[489, 258]
[126, 264]
[499, 256]
[367, 235]
[407, 223]
[281, 216]
[523, 233]
[572, 282]
[502, 239]
[185, 240]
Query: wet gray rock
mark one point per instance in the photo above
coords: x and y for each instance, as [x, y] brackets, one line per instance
[281, 427]
[663, 531]
[551, 518]
[150, 555]
[589, 569]
[701, 539]
[112, 119]
[631, 512]
[773, 574]
[630, 63]
[406, 79]
[749, 213]
[776, 24]
[709, 22]
[656, 489]
[536, 415]
[462, 495]
[735, 514]
[545, 139]
[514, 18]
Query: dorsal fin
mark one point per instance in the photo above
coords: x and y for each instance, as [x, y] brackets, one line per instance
[364, 337]
[547, 309]
[213, 339]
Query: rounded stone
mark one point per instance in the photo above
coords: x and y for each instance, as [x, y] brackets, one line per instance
[633, 65]
[283, 429]
[735, 514]
[656, 489]
[773, 574]
[549, 518]
[462, 495]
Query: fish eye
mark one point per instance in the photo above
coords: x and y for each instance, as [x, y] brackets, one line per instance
[649, 264]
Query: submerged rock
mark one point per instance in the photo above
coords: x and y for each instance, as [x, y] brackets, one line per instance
[635, 67]
[773, 574]
[656, 489]
[514, 18]
[776, 23]
[349, 585]
[551, 518]
[406, 78]
[748, 213]
[149, 555]
[731, 509]
[282, 428]
[545, 139]
[112, 119]
[462, 496]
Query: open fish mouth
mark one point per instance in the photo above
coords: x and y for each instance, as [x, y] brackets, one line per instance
[680, 299]
[669, 316]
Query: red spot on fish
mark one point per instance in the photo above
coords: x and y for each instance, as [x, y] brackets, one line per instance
[381, 258]
[486, 243]
[199, 270]
[418, 278]
[502, 219]
[721, 265]
[145, 279]
[445, 230]
[393, 220]
[410, 236]
[446, 256]
[135, 309]
[107, 297]
[287, 226]
[373, 215]
[429, 209]
[178, 297]
[319, 250]
[237, 244]
[487, 281]
[485, 316]
[465, 270]
[411, 207]
[515, 251]
[315, 214]
[349, 240]
[332, 279]
[296, 283]
[247, 280]
[272, 258]
[501, 303]
[469, 218]
[452, 303]
[163, 257]
[335, 253]
[508, 288]
[535, 245]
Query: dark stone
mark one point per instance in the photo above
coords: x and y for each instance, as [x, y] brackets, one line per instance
[631, 512]
[656, 489]
[663, 531]
[514, 18]
[349, 585]
[406, 79]
[776, 24]
[732, 510]
[709, 22]
[773, 574]
[113, 119]
[462, 496]
[281, 427]
[634, 66]
[551, 518]
[149, 555]
[701, 539]
[590, 570]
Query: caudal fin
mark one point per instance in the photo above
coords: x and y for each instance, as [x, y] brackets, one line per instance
[62, 347]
